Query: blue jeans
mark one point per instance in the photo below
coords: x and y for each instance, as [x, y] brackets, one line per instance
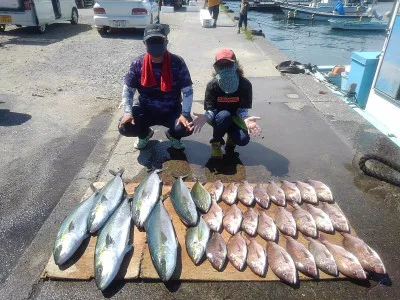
[145, 118]
[223, 124]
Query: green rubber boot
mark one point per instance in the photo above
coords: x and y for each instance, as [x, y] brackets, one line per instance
[216, 151]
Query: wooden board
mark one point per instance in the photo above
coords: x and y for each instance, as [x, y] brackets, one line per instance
[139, 264]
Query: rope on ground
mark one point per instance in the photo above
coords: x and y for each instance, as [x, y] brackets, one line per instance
[381, 176]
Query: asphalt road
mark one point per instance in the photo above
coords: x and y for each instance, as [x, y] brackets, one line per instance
[57, 97]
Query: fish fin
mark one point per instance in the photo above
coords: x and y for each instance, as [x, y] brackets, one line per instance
[118, 173]
[71, 226]
[165, 196]
[183, 176]
[93, 188]
[163, 238]
[109, 240]
[103, 198]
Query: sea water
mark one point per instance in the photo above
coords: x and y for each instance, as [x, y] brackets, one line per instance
[316, 42]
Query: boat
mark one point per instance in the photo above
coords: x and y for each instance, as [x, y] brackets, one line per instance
[358, 25]
[326, 6]
[306, 13]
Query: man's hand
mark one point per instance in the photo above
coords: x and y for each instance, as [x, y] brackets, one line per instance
[252, 126]
[199, 122]
[126, 118]
[182, 120]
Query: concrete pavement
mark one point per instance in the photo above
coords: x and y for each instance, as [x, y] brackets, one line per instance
[307, 134]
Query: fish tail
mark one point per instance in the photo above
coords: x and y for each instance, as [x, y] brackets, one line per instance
[118, 173]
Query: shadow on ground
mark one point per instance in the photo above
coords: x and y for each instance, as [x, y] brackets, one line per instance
[9, 118]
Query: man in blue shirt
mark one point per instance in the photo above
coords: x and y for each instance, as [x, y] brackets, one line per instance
[165, 93]
[339, 8]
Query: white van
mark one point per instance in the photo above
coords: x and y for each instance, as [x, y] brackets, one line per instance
[37, 13]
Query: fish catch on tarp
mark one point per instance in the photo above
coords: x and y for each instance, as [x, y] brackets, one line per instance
[216, 251]
[266, 227]
[145, 198]
[337, 217]
[261, 196]
[346, 261]
[232, 219]
[250, 222]
[285, 222]
[323, 258]
[196, 240]
[276, 194]
[237, 251]
[216, 189]
[321, 218]
[256, 258]
[73, 230]
[112, 245]
[304, 221]
[110, 196]
[162, 241]
[183, 203]
[292, 193]
[307, 192]
[246, 193]
[281, 263]
[230, 193]
[323, 192]
[368, 258]
[201, 197]
[303, 259]
[214, 216]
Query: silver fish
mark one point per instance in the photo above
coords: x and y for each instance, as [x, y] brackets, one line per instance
[285, 222]
[232, 219]
[369, 259]
[346, 262]
[216, 251]
[261, 196]
[322, 190]
[292, 193]
[216, 190]
[322, 220]
[245, 193]
[214, 216]
[304, 221]
[266, 227]
[250, 222]
[109, 198]
[237, 251]
[281, 263]
[307, 192]
[145, 198]
[229, 195]
[337, 217]
[276, 194]
[201, 197]
[323, 258]
[303, 259]
[256, 258]
[183, 203]
[73, 231]
[162, 242]
[196, 240]
[112, 245]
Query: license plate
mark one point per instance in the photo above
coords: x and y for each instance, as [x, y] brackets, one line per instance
[119, 23]
[5, 19]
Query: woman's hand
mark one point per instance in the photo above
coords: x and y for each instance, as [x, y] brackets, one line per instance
[126, 118]
[187, 124]
[252, 126]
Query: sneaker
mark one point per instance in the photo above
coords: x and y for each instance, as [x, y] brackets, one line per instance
[141, 143]
[216, 151]
[229, 146]
[175, 143]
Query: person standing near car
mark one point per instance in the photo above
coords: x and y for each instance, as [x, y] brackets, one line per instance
[244, 7]
[163, 82]
[213, 8]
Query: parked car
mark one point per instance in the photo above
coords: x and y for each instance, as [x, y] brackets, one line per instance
[84, 3]
[37, 13]
[125, 14]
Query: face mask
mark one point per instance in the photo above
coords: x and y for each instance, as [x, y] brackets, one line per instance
[228, 78]
[156, 50]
